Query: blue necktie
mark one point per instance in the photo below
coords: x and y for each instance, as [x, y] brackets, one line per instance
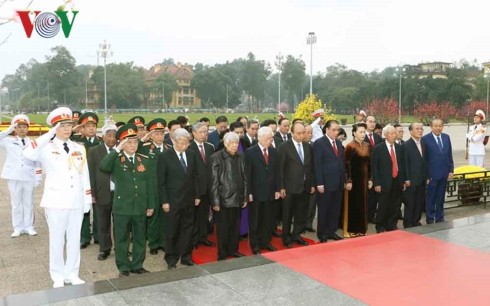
[300, 152]
[182, 161]
[439, 143]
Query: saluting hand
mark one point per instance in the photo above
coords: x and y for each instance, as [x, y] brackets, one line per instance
[77, 128]
[121, 144]
[11, 128]
[53, 130]
[147, 136]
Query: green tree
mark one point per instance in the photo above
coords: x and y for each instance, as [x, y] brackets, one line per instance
[164, 83]
[293, 75]
[253, 76]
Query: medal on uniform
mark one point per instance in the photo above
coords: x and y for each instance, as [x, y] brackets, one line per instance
[77, 161]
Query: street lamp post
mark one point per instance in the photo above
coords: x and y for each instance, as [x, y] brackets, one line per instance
[400, 71]
[488, 87]
[310, 40]
[279, 58]
[105, 52]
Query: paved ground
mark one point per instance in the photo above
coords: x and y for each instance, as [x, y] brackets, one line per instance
[24, 260]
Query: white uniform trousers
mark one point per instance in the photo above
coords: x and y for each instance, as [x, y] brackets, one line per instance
[476, 160]
[64, 223]
[21, 194]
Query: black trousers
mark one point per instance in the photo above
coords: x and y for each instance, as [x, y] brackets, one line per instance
[389, 203]
[372, 204]
[201, 220]
[260, 221]
[294, 207]
[104, 214]
[414, 200]
[228, 230]
[329, 204]
[178, 241]
[311, 211]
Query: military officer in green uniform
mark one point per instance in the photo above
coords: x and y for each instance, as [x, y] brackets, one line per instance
[140, 124]
[152, 145]
[132, 194]
[88, 122]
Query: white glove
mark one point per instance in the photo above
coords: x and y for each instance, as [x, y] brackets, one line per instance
[11, 128]
[53, 130]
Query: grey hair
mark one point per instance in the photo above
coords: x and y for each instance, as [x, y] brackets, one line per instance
[265, 130]
[181, 133]
[230, 136]
[196, 126]
[388, 128]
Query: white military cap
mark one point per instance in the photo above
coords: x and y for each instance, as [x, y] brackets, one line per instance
[480, 114]
[109, 127]
[20, 119]
[318, 113]
[61, 114]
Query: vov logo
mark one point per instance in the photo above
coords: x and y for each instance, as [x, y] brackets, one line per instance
[47, 24]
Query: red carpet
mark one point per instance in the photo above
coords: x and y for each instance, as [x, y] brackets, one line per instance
[396, 268]
[205, 254]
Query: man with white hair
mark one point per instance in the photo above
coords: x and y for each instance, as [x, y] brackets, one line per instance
[67, 195]
[103, 189]
[388, 171]
[261, 170]
[22, 175]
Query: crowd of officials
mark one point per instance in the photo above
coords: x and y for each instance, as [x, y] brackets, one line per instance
[167, 185]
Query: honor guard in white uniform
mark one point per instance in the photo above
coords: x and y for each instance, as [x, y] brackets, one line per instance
[22, 175]
[66, 194]
[317, 125]
[476, 136]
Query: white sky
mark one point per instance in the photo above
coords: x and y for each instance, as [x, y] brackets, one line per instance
[363, 35]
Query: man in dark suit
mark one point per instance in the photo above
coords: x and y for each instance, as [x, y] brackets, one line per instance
[416, 176]
[172, 126]
[388, 171]
[329, 168]
[372, 139]
[250, 138]
[282, 134]
[221, 126]
[261, 166]
[178, 186]
[399, 134]
[203, 150]
[102, 189]
[296, 183]
[439, 158]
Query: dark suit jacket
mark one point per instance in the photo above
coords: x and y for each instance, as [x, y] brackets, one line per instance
[294, 176]
[329, 169]
[377, 139]
[440, 164]
[204, 168]
[176, 186]
[168, 142]
[246, 142]
[213, 138]
[381, 166]
[262, 177]
[278, 138]
[416, 170]
[99, 181]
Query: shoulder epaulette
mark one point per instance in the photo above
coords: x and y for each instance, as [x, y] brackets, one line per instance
[145, 156]
[146, 143]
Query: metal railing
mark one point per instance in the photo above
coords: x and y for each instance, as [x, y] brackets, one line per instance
[468, 189]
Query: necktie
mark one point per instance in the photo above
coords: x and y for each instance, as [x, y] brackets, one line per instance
[371, 141]
[159, 149]
[266, 156]
[300, 152]
[285, 138]
[182, 162]
[439, 143]
[201, 150]
[394, 164]
[65, 146]
[111, 149]
[334, 146]
[23, 142]
[131, 160]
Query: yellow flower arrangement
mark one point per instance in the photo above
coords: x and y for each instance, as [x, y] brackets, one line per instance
[311, 103]
[469, 169]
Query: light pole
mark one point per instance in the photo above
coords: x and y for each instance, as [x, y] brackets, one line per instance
[400, 71]
[105, 52]
[488, 87]
[310, 40]
[279, 58]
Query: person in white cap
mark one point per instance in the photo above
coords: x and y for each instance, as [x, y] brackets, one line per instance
[317, 125]
[475, 136]
[361, 117]
[22, 175]
[66, 196]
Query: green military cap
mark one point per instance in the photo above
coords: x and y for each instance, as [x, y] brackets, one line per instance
[126, 131]
[88, 117]
[76, 115]
[156, 124]
[138, 120]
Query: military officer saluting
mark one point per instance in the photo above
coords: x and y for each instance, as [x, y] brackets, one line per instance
[476, 136]
[88, 122]
[66, 196]
[22, 175]
[153, 148]
[132, 194]
[140, 124]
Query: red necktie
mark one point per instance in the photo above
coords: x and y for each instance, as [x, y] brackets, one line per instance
[266, 157]
[201, 149]
[394, 165]
[371, 141]
[335, 149]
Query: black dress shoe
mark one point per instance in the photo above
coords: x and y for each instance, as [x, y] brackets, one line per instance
[300, 241]
[96, 241]
[171, 266]
[123, 273]
[323, 240]
[256, 251]
[84, 245]
[207, 243]
[335, 237]
[237, 254]
[187, 262]
[103, 255]
[220, 258]
[153, 251]
[140, 271]
[269, 247]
